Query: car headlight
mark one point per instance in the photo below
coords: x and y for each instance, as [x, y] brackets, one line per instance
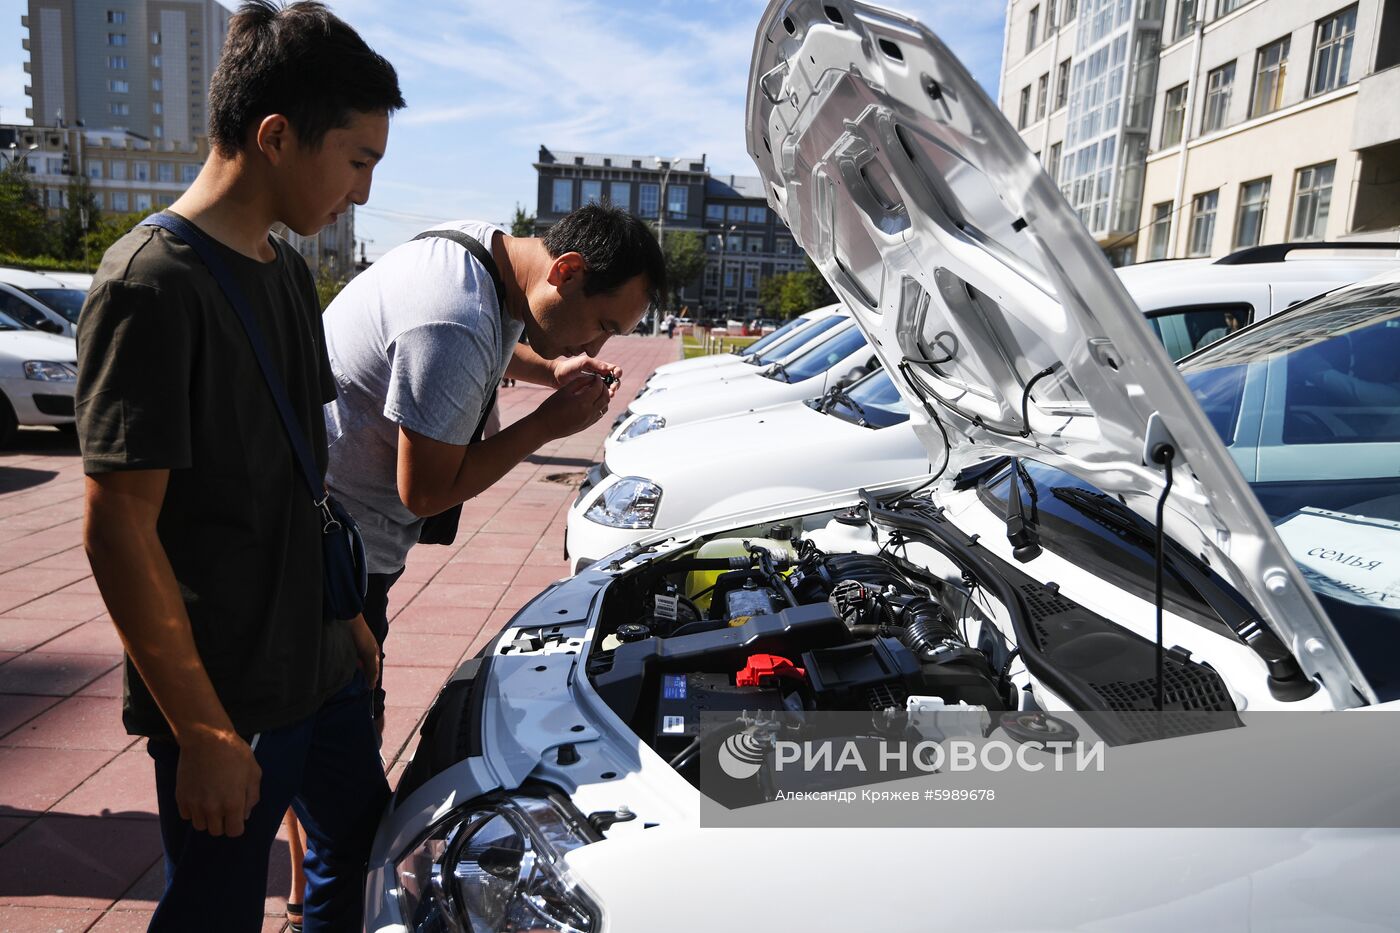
[496, 865]
[642, 425]
[631, 502]
[45, 371]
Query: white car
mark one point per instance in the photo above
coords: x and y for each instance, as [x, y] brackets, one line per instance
[38, 375]
[844, 440]
[584, 773]
[1193, 302]
[838, 355]
[41, 302]
[782, 342]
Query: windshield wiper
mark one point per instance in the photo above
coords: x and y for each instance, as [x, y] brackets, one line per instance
[1024, 535]
[838, 394]
[779, 370]
[1286, 678]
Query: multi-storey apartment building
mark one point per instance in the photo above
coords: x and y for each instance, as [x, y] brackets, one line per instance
[1276, 120]
[138, 65]
[744, 241]
[1077, 82]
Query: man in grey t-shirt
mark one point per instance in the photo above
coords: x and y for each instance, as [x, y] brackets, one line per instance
[419, 341]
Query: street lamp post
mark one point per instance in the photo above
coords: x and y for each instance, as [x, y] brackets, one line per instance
[661, 234]
[723, 249]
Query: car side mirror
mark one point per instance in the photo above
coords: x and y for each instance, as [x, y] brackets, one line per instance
[50, 327]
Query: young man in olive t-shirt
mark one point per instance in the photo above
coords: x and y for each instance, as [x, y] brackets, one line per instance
[202, 536]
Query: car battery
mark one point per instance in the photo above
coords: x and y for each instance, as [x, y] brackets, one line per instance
[684, 698]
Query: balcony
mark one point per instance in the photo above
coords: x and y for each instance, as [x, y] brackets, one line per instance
[23, 21]
[1377, 120]
[24, 43]
[27, 67]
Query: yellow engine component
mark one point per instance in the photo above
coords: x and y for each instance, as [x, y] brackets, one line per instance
[703, 581]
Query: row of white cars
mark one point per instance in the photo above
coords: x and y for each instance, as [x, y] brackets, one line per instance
[38, 355]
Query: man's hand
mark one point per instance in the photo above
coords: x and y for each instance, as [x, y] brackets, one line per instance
[574, 407]
[366, 649]
[568, 368]
[217, 781]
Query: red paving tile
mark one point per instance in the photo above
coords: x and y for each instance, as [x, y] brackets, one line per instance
[74, 872]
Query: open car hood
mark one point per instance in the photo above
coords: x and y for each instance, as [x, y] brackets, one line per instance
[981, 292]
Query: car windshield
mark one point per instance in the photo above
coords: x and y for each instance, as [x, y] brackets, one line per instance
[789, 347]
[873, 400]
[66, 301]
[758, 346]
[1308, 404]
[821, 357]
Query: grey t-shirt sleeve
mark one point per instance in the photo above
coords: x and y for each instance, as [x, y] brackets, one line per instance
[437, 374]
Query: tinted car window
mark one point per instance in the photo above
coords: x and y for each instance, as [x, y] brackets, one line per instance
[66, 301]
[797, 341]
[876, 402]
[19, 309]
[758, 346]
[824, 355]
[1185, 330]
[9, 323]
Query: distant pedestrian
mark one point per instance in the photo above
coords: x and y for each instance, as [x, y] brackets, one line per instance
[669, 326]
[203, 538]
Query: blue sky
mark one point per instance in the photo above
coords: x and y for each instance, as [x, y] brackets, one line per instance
[488, 82]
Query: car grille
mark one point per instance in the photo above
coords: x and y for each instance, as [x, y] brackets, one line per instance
[54, 404]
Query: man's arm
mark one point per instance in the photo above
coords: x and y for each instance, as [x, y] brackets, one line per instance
[433, 476]
[217, 782]
[529, 366]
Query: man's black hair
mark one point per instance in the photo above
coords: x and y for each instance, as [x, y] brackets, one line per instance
[615, 247]
[301, 61]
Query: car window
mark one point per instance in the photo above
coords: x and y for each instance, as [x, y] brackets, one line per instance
[21, 310]
[789, 347]
[877, 402]
[824, 355]
[1184, 330]
[1327, 455]
[758, 346]
[66, 301]
[9, 323]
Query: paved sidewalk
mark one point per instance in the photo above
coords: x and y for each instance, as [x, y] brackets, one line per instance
[79, 846]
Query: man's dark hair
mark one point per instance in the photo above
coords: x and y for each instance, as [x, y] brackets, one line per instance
[301, 61]
[615, 247]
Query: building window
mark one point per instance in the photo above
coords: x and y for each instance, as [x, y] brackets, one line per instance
[734, 243]
[53, 166]
[118, 87]
[143, 202]
[155, 38]
[157, 107]
[735, 213]
[563, 199]
[165, 171]
[117, 62]
[620, 194]
[783, 246]
[1270, 67]
[1228, 6]
[1203, 222]
[590, 192]
[158, 131]
[189, 173]
[1185, 18]
[140, 171]
[116, 17]
[1161, 230]
[1218, 86]
[711, 276]
[677, 202]
[1331, 62]
[1052, 165]
[750, 278]
[712, 242]
[1023, 112]
[155, 84]
[1062, 84]
[98, 201]
[755, 244]
[1312, 200]
[118, 109]
[1173, 115]
[94, 168]
[119, 201]
[116, 38]
[1249, 217]
[730, 278]
[1042, 95]
[648, 200]
[155, 61]
[1071, 9]
[758, 215]
[1032, 26]
[714, 212]
[118, 170]
[1049, 18]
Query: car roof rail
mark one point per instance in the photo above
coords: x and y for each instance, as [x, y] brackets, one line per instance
[1277, 252]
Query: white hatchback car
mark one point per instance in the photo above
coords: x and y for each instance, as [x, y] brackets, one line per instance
[697, 364]
[39, 301]
[38, 375]
[1086, 549]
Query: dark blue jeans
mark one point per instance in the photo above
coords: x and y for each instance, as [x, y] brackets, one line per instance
[325, 767]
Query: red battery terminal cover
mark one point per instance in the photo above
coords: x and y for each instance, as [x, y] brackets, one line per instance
[765, 670]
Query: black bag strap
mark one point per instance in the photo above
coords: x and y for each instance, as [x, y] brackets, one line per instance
[193, 237]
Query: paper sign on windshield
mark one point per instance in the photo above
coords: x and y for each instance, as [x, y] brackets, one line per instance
[1348, 557]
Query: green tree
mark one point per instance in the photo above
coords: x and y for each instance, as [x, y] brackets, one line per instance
[522, 224]
[108, 229]
[770, 295]
[685, 260]
[23, 230]
[327, 287]
[79, 216]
